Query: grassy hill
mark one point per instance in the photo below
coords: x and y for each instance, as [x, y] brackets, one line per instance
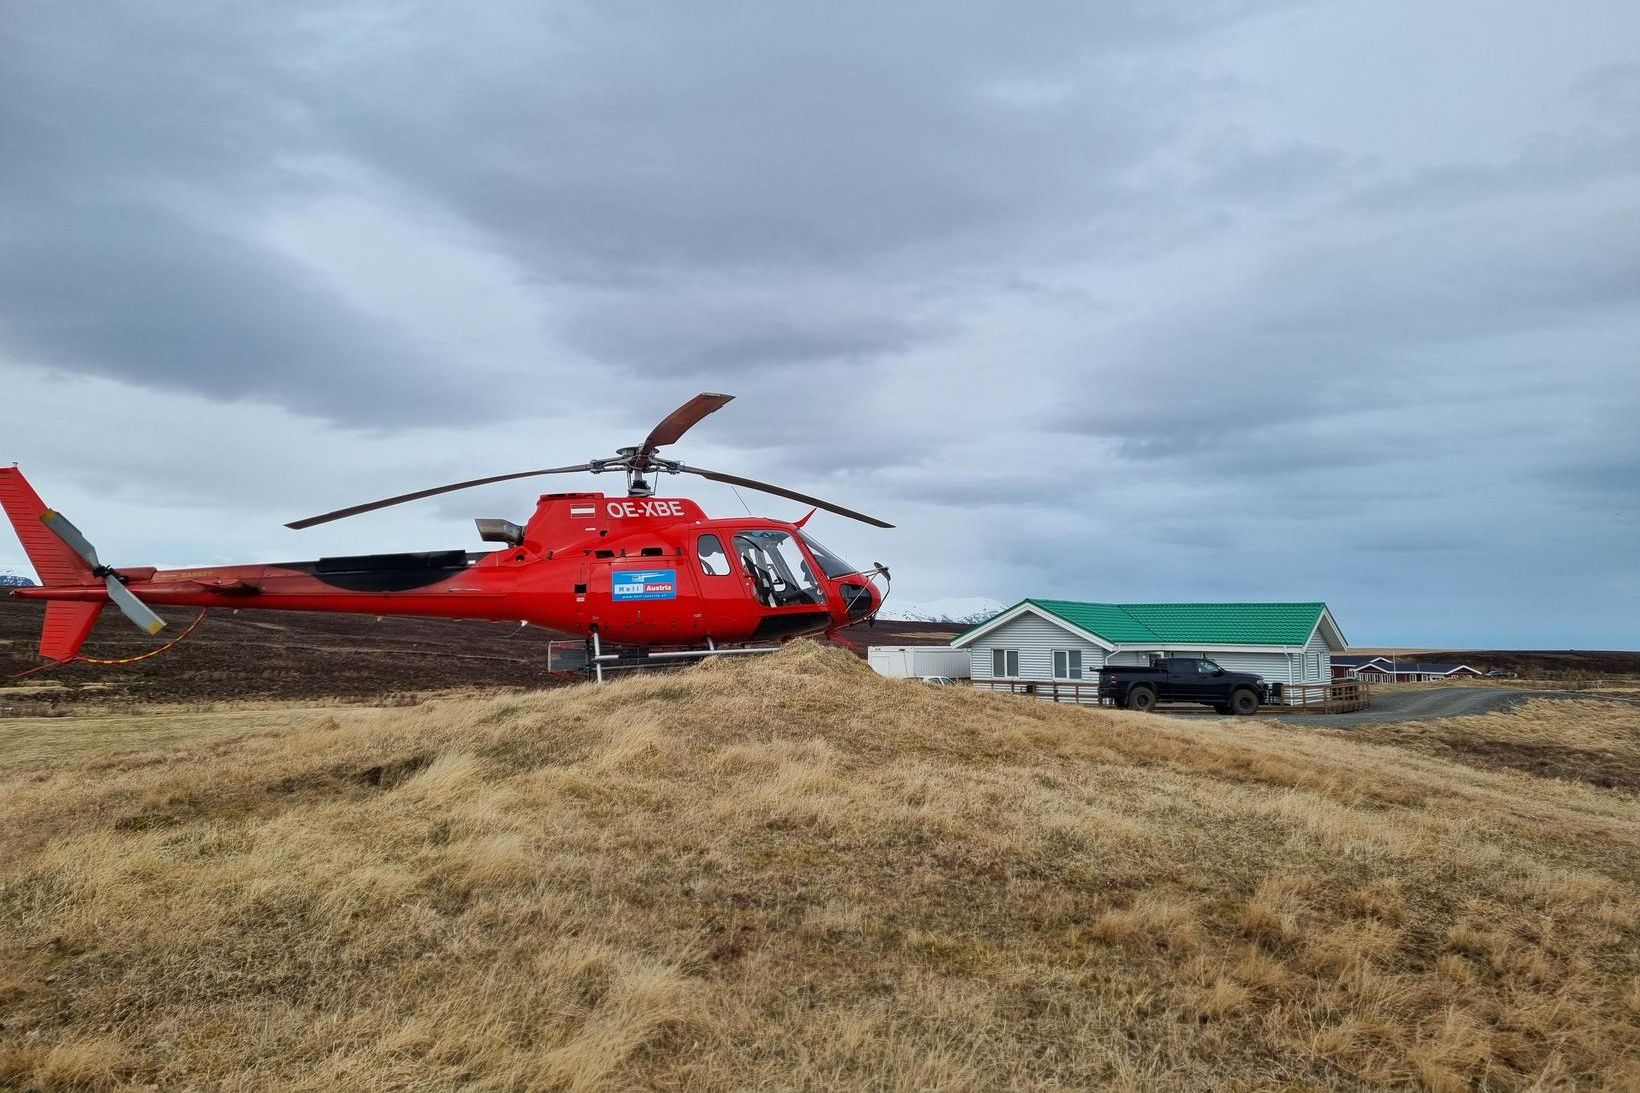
[235, 656]
[793, 873]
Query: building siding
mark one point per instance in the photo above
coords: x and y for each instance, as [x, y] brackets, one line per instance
[1273, 667]
[1036, 639]
[1317, 659]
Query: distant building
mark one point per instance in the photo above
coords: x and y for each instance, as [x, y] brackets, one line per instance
[1068, 640]
[1382, 669]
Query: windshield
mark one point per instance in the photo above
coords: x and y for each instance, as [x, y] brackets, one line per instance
[779, 571]
[830, 564]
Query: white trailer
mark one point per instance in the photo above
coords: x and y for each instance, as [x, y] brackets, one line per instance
[916, 661]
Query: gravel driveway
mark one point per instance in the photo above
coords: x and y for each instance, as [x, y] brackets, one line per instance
[1389, 704]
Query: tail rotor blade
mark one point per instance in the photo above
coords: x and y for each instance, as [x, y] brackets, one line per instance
[68, 533]
[135, 610]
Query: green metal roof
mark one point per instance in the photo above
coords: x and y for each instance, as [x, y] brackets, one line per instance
[1188, 623]
[1110, 621]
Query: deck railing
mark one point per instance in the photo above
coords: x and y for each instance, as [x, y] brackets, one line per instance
[1083, 692]
[1339, 696]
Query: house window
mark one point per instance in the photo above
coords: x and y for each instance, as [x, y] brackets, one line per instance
[1067, 664]
[1005, 663]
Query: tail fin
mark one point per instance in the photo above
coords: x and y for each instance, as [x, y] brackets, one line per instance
[67, 624]
[53, 560]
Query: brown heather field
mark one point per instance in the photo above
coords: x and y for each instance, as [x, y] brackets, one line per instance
[794, 874]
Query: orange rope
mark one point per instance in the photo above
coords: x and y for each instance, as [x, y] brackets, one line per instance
[167, 647]
[41, 668]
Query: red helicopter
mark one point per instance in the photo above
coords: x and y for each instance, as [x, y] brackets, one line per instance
[654, 575]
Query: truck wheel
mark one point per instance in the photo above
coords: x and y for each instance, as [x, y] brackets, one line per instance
[1142, 699]
[1244, 702]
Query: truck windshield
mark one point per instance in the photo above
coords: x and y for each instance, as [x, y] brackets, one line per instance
[830, 564]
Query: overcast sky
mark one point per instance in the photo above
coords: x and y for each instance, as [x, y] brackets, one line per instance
[1114, 301]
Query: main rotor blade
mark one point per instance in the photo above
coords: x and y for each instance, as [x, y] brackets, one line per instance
[680, 421]
[135, 610]
[371, 506]
[780, 491]
[69, 534]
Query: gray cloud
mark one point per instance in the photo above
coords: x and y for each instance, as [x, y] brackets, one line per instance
[616, 160]
[733, 332]
[1603, 478]
[1237, 171]
[1330, 330]
[662, 142]
[1125, 300]
[133, 292]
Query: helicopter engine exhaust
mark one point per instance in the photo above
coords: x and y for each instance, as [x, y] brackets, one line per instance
[500, 531]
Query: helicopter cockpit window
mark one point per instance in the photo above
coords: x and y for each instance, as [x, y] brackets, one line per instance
[830, 564]
[779, 571]
[714, 561]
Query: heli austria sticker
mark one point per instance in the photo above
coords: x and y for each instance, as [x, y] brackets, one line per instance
[645, 584]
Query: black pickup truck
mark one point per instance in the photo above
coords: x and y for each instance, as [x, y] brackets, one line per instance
[1183, 679]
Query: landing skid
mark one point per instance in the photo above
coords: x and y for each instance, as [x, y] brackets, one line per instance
[600, 662]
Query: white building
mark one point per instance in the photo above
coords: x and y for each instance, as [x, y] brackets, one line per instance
[1383, 669]
[1065, 640]
[916, 661]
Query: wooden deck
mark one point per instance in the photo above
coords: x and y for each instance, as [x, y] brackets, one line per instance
[1339, 696]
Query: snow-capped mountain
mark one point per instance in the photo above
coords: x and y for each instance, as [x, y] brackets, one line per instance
[965, 610]
[9, 579]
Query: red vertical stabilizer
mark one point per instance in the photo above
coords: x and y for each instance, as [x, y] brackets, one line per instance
[53, 560]
[67, 624]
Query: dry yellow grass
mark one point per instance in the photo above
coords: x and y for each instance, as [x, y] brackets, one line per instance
[793, 873]
[1593, 740]
[125, 738]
